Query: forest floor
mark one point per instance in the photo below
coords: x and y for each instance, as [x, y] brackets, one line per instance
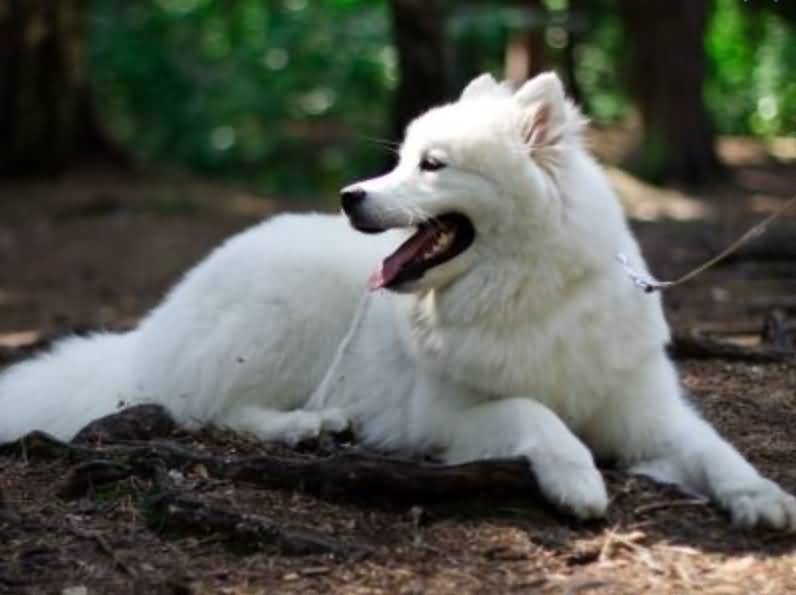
[94, 250]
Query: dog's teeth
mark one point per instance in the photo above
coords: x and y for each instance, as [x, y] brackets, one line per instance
[441, 242]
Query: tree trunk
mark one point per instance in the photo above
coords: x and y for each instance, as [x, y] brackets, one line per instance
[667, 74]
[47, 115]
[418, 30]
[525, 48]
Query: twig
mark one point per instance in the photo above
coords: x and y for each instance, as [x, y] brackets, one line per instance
[614, 537]
[656, 506]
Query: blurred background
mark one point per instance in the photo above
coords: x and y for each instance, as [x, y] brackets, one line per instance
[137, 134]
[291, 96]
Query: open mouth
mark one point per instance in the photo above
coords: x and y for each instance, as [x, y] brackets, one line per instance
[436, 241]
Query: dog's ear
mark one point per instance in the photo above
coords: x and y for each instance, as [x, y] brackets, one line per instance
[544, 110]
[479, 86]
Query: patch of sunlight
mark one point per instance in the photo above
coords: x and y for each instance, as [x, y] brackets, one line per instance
[782, 147]
[19, 339]
[317, 101]
[222, 138]
[556, 37]
[180, 6]
[741, 150]
[296, 5]
[388, 58]
[276, 58]
[767, 107]
[645, 202]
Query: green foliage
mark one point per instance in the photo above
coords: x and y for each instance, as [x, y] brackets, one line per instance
[479, 32]
[751, 88]
[289, 94]
[278, 93]
[600, 63]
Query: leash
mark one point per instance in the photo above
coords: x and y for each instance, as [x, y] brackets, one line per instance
[650, 285]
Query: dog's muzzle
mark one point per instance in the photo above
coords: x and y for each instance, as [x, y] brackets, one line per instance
[352, 200]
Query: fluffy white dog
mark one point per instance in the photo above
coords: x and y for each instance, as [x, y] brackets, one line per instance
[507, 329]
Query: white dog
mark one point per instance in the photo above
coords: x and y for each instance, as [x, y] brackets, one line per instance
[508, 327]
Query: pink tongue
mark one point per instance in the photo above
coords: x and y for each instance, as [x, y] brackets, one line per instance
[376, 279]
[392, 266]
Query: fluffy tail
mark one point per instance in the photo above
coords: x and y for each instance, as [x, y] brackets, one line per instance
[59, 392]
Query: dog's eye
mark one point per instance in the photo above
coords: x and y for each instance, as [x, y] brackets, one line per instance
[428, 163]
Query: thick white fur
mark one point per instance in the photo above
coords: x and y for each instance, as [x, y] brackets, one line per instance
[532, 342]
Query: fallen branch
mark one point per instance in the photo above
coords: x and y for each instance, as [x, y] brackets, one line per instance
[353, 475]
[361, 475]
[786, 303]
[140, 422]
[694, 346]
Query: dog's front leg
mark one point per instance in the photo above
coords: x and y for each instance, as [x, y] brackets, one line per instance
[562, 464]
[651, 428]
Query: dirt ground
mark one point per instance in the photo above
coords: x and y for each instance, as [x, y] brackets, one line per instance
[95, 250]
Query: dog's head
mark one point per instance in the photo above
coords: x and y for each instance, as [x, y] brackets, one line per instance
[468, 173]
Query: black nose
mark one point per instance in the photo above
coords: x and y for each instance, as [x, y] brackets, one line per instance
[352, 198]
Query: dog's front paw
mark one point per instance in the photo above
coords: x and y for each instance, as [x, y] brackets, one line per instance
[763, 504]
[305, 426]
[334, 420]
[577, 489]
[309, 425]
